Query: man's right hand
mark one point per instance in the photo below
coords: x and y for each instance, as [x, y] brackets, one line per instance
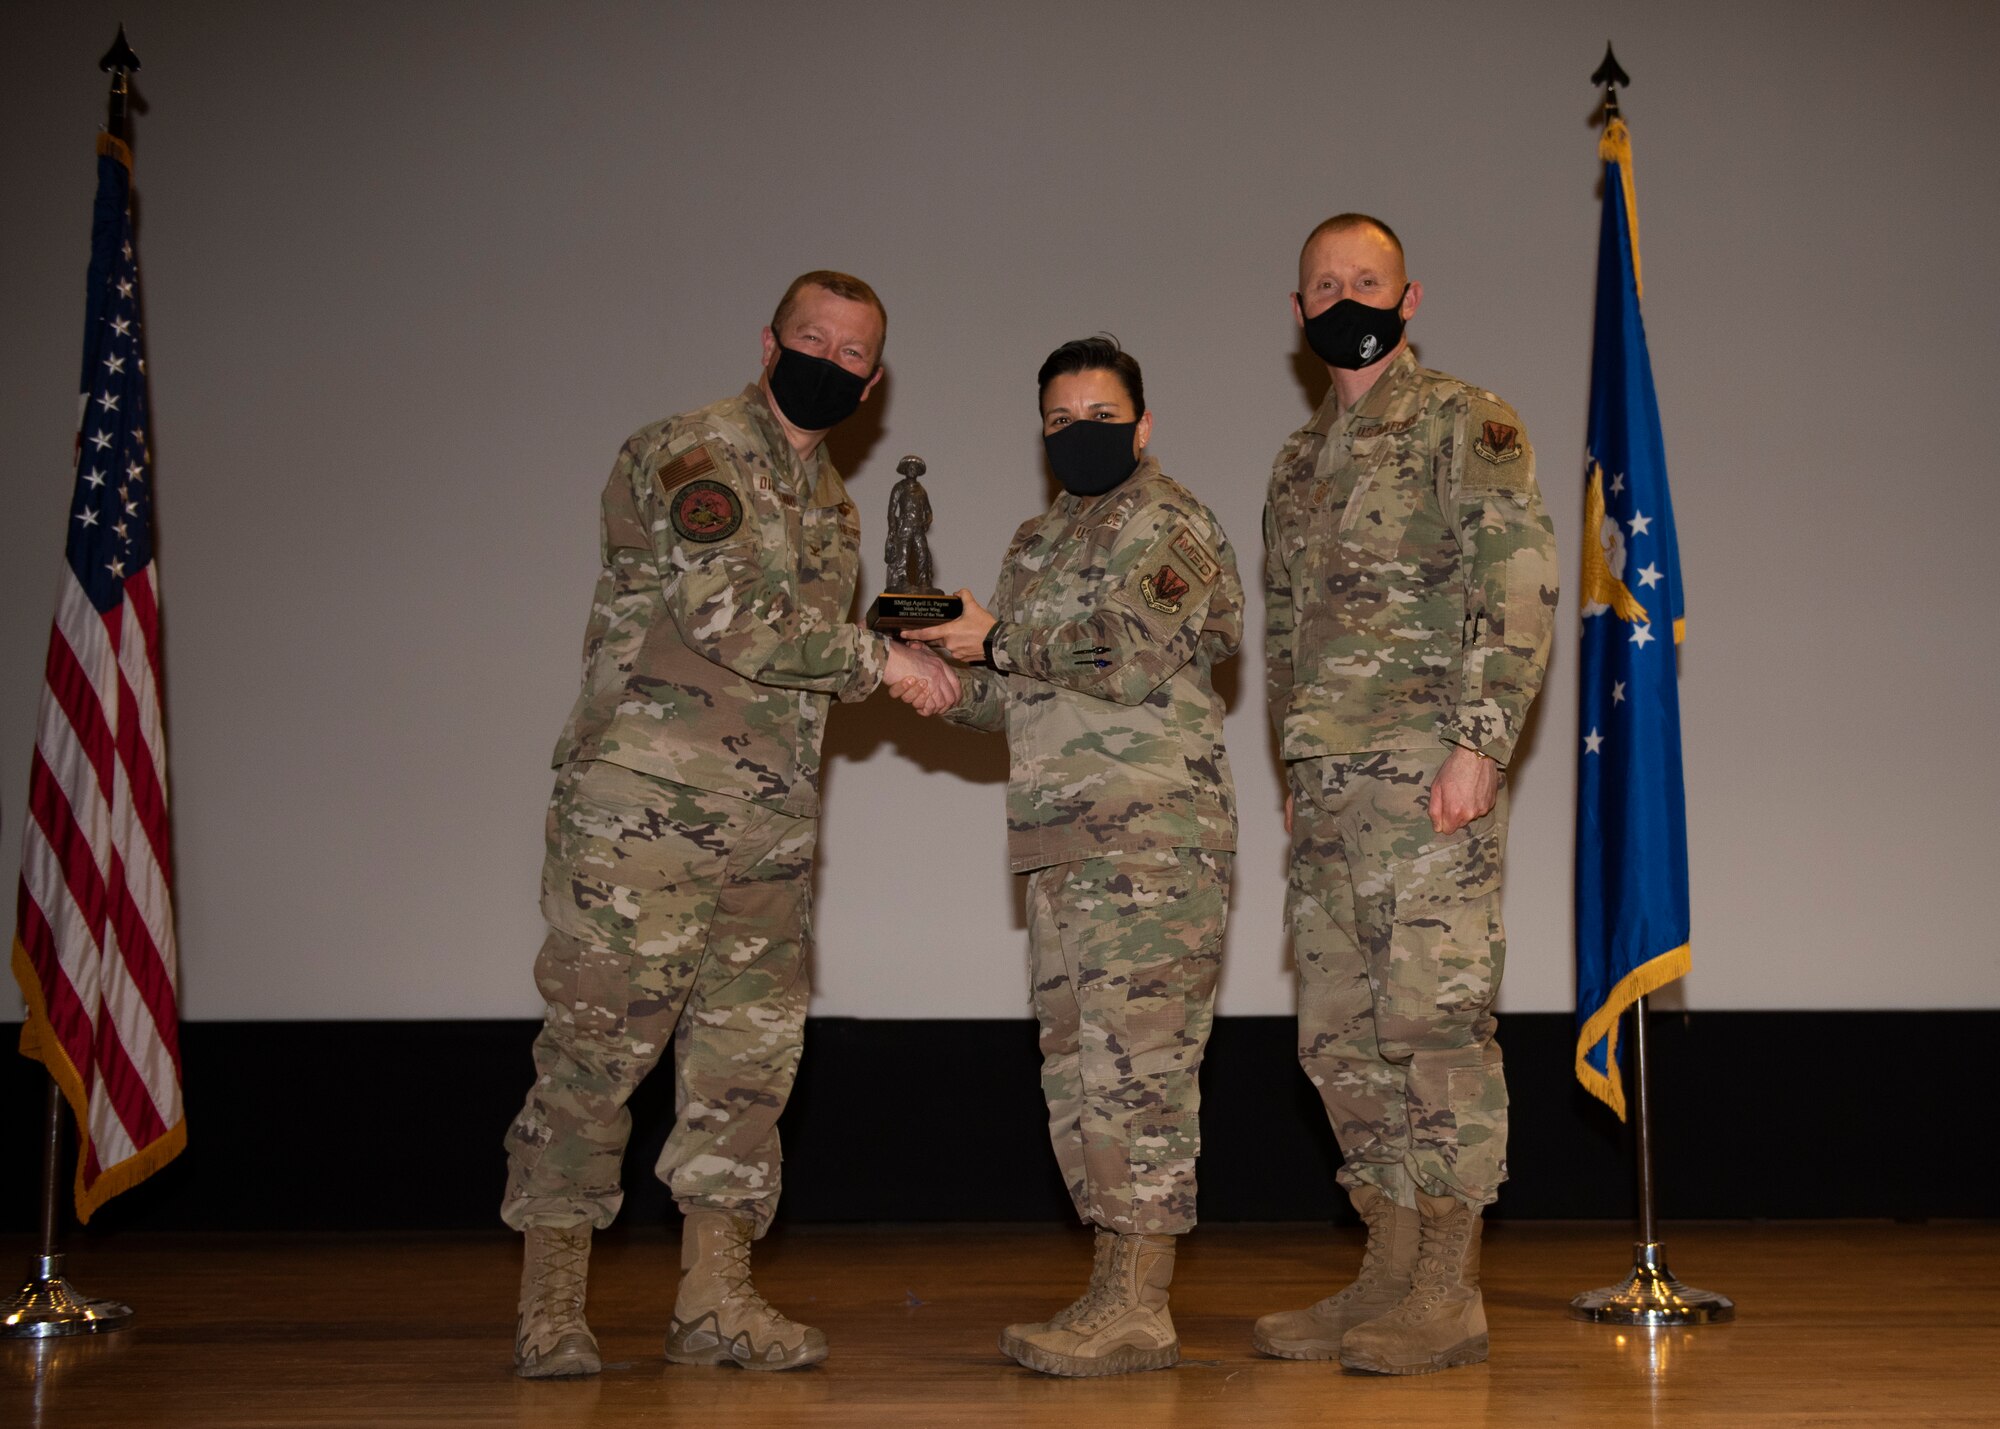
[920, 679]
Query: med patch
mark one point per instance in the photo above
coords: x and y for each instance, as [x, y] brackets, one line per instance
[705, 511]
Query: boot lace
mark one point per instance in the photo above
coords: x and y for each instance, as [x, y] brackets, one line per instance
[1374, 1257]
[560, 1274]
[1441, 1252]
[735, 1274]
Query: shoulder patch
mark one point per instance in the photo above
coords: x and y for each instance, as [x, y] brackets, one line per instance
[704, 511]
[694, 462]
[1498, 442]
[1164, 589]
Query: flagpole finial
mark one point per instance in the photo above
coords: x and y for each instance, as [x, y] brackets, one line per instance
[1610, 75]
[119, 62]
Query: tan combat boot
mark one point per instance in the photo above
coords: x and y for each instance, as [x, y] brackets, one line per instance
[719, 1318]
[551, 1339]
[1441, 1324]
[1125, 1327]
[1012, 1336]
[1314, 1333]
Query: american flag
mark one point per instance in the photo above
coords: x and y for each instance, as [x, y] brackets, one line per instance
[94, 922]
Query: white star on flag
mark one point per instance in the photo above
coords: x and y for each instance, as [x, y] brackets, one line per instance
[1640, 521]
[100, 440]
[94, 477]
[1617, 692]
[1641, 636]
[108, 402]
[1650, 576]
[1618, 484]
[124, 290]
[116, 364]
[123, 326]
[88, 518]
[1592, 740]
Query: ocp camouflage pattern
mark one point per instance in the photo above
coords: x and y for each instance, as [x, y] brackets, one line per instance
[1409, 574]
[1397, 936]
[1113, 616]
[676, 915]
[1124, 957]
[719, 629]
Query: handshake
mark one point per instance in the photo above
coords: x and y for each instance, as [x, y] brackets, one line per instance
[922, 679]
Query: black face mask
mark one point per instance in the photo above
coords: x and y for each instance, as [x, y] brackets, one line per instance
[814, 394]
[1089, 458]
[1352, 335]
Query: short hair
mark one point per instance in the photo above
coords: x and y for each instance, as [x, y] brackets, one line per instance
[1094, 354]
[841, 285]
[1342, 222]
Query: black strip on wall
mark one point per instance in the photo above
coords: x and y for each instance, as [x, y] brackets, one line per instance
[398, 1125]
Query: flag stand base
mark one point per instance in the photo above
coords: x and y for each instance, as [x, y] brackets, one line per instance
[49, 1306]
[1651, 1296]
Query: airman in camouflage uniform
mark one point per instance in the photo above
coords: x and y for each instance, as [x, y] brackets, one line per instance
[1113, 610]
[677, 884]
[1410, 592]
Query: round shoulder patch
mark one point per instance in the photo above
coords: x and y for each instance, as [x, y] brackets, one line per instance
[705, 511]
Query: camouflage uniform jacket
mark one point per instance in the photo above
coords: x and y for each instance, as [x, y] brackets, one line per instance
[1114, 613]
[1409, 573]
[719, 627]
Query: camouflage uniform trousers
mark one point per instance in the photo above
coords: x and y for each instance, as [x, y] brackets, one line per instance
[1396, 933]
[1124, 952]
[673, 913]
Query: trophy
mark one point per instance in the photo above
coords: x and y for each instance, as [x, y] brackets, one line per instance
[913, 598]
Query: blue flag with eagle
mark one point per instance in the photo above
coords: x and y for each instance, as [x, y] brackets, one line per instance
[1632, 925]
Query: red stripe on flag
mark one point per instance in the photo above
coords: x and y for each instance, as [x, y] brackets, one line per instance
[77, 698]
[67, 1018]
[146, 610]
[143, 961]
[135, 753]
[66, 837]
[122, 1086]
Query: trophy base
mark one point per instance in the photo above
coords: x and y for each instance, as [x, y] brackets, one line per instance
[893, 612]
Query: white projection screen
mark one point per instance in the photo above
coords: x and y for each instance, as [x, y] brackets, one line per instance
[413, 272]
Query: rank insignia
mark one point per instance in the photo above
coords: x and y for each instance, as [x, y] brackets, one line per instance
[1498, 442]
[1164, 589]
[706, 511]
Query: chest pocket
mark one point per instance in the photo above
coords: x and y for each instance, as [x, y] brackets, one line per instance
[1071, 577]
[1391, 472]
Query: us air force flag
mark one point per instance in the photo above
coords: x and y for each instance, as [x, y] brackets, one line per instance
[1631, 812]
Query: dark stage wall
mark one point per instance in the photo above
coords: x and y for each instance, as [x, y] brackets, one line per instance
[380, 1125]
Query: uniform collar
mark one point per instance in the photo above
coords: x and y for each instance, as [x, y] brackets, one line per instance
[1079, 508]
[1374, 402]
[815, 474]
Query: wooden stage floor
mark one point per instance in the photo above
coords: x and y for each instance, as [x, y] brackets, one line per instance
[1863, 1324]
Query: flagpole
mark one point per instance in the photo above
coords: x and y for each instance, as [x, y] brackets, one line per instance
[47, 1306]
[1649, 1293]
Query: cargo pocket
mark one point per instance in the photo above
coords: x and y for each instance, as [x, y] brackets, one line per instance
[588, 988]
[1446, 951]
[1478, 1097]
